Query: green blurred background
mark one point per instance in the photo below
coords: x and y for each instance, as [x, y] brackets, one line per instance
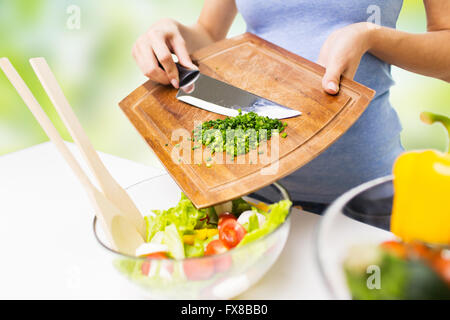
[96, 70]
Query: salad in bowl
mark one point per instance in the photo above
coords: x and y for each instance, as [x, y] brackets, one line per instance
[212, 253]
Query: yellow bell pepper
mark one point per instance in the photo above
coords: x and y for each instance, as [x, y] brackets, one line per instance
[421, 209]
[260, 205]
[189, 239]
[200, 234]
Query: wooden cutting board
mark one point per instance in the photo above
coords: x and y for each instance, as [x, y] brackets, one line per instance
[260, 67]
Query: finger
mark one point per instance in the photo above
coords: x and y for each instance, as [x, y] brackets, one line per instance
[164, 56]
[323, 55]
[156, 72]
[179, 47]
[189, 88]
[148, 64]
[332, 78]
[322, 60]
[350, 72]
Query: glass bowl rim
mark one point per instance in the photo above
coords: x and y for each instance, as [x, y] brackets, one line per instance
[284, 194]
[333, 210]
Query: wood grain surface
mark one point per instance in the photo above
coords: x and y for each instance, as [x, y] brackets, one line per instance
[260, 67]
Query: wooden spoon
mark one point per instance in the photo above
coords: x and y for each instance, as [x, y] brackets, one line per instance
[121, 233]
[112, 190]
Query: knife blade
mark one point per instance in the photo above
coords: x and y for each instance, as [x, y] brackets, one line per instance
[219, 97]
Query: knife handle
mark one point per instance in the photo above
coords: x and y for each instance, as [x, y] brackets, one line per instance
[186, 76]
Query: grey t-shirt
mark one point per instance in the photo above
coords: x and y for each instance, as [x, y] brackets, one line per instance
[368, 149]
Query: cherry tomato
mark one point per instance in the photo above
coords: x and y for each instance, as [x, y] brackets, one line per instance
[146, 265]
[231, 233]
[225, 216]
[145, 268]
[157, 255]
[221, 263]
[394, 247]
[199, 268]
[442, 267]
[421, 251]
[215, 247]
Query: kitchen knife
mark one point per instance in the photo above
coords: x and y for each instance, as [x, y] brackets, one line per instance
[216, 96]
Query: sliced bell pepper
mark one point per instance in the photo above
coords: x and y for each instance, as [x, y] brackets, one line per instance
[200, 234]
[260, 205]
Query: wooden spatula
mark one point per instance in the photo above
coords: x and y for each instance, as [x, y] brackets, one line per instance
[112, 190]
[122, 234]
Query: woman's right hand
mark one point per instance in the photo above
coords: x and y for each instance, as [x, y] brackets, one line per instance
[157, 44]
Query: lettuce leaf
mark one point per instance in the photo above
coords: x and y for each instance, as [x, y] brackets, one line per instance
[253, 223]
[195, 250]
[174, 242]
[184, 216]
[277, 214]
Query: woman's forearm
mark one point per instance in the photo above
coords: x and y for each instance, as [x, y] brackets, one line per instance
[195, 37]
[427, 53]
[213, 24]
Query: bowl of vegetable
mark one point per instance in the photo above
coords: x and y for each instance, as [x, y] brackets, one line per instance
[360, 258]
[212, 253]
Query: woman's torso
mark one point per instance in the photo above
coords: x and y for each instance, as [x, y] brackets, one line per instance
[368, 149]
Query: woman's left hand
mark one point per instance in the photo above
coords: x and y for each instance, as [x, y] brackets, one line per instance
[341, 53]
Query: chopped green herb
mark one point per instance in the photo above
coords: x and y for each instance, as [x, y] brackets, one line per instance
[237, 135]
[284, 135]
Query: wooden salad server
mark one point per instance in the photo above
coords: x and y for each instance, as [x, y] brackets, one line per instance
[112, 190]
[121, 233]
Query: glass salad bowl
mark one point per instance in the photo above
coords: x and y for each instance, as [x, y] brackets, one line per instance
[220, 276]
[359, 258]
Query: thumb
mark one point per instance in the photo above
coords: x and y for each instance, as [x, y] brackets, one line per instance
[332, 79]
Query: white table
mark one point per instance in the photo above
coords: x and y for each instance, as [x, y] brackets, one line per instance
[48, 249]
